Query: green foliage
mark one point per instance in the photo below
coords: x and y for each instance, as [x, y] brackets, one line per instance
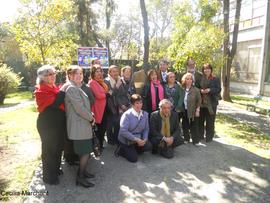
[9, 81]
[195, 35]
[158, 48]
[43, 31]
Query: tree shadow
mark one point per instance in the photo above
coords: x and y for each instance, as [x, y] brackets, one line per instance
[215, 173]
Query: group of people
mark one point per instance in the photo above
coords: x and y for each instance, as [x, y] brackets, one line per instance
[133, 120]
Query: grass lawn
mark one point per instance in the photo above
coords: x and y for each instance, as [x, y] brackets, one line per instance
[243, 135]
[242, 100]
[19, 148]
[17, 97]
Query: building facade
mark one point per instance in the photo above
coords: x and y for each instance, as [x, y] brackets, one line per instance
[251, 67]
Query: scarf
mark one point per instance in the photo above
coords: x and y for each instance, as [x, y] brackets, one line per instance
[165, 129]
[45, 96]
[153, 94]
[103, 84]
[113, 81]
[206, 100]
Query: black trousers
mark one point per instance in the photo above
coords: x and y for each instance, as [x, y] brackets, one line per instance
[130, 152]
[190, 128]
[207, 124]
[101, 129]
[113, 125]
[52, 131]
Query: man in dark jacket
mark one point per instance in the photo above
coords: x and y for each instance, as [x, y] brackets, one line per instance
[165, 134]
[196, 75]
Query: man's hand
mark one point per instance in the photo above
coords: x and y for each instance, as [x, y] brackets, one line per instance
[168, 140]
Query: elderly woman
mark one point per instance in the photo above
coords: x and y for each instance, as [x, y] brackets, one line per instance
[174, 92]
[125, 90]
[51, 122]
[99, 89]
[153, 92]
[134, 129]
[113, 81]
[165, 133]
[192, 102]
[79, 122]
[210, 92]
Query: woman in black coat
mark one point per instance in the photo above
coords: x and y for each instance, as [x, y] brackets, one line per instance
[153, 92]
[210, 93]
[51, 122]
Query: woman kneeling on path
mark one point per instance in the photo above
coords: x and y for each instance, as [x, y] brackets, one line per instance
[134, 129]
[51, 122]
[79, 122]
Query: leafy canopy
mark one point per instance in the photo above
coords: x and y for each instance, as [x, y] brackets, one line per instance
[43, 31]
[196, 34]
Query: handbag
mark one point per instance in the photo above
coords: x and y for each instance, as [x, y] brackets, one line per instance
[165, 150]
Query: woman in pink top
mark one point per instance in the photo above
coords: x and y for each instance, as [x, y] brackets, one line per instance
[99, 89]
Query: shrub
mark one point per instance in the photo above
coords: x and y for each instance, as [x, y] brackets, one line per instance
[9, 81]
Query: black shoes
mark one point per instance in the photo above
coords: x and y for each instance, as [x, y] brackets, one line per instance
[51, 182]
[60, 172]
[88, 175]
[82, 181]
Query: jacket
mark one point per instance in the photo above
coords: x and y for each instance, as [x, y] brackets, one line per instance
[99, 105]
[156, 125]
[78, 113]
[178, 97]
[131, 127]
[193, 102]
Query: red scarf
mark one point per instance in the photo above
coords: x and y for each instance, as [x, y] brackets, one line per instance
[153, 94]
[45, 95]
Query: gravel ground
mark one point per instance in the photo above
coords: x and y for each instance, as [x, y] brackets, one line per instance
[216, 172]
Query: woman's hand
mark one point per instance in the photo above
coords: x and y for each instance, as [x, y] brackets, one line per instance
[140, 142]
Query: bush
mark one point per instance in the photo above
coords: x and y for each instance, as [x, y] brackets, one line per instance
[9, 81]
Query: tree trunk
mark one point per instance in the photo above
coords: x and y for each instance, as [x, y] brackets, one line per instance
[2, 98]
[108, 24]
[146, 36]
[227, 53]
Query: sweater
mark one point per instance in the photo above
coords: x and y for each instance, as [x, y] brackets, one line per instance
[131, 127]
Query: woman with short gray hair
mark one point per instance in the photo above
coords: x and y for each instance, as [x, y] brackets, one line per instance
[51, 122]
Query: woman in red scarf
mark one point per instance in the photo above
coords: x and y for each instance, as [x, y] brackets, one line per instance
[153, 92]
[51, 122]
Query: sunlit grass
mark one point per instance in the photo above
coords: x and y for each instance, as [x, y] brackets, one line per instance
[19, 139]
[247, 100]
[17, 97]
[19, 125]
[243, 135]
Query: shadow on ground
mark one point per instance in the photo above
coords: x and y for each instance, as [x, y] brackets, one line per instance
[215, 173]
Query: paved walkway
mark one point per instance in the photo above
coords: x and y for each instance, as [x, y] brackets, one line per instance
[259, 121]
[16, 106]
[214, 173]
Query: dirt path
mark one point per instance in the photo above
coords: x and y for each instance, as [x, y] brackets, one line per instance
[214, 173]
[15, 107]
